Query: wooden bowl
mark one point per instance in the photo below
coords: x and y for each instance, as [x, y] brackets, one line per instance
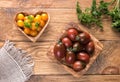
[33, 39]
[98, 48]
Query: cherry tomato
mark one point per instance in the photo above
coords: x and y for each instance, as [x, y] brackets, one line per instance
[90, 47]
[39, 29]
[33, 27]
[84, 38]
[26, 18]
[42, 23]
[78, 66]
[59, 51]
[70, 57]
[20, 23]
[44, 16]
[27, 30]
[77, 47]
[67, 42]
[33, 33]
[82, 56]
[20, 16]
[72, 33]
[37, 18]
[31, 16]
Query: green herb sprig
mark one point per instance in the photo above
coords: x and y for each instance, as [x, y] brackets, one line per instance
[103, 7]
[115, 15]
[92, 16]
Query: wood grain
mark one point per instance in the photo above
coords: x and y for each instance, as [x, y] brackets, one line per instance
[45, 3]
[45, 66]
[61, 12]
[42, 3]
[69, 78]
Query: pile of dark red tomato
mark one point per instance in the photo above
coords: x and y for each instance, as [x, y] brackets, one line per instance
[75, 48]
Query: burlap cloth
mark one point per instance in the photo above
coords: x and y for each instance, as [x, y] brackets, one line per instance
[15, 64]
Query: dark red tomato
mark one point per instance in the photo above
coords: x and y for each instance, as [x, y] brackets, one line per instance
[77, 47]
[84, 38]
[82, 56]
[67, 42]
[59, 51]
[70, 57]
[78, 66]
[90, 47]
[72, 33]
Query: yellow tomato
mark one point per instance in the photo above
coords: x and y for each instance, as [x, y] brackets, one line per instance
[27, 23]
[20, 23]
[44, 16]
[37, 18]
[39, 29]
[42, 23]
[26, 18]
[33, 33]
[20, 16]
[27, 30]
[31, 16]
[34, 27]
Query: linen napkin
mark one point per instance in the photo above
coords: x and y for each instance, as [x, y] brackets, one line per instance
[15, 64]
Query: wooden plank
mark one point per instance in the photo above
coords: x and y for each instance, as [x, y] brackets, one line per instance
[45, 3]
[69, 78]
[59, 20]
[42, 3]
[43, 65]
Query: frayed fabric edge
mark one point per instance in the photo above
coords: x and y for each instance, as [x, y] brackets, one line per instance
[23, 60]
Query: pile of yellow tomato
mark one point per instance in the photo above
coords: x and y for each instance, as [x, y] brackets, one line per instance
[31, 24]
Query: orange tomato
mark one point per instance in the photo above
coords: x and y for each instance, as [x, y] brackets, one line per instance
[33, 27]
[42, 23]
[20, 16]
[37, 18]
[26, 18]
[33, 33]
[27, 30]
[39, 29]
[44, 17]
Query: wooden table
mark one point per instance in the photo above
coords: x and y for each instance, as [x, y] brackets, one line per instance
[61, 12]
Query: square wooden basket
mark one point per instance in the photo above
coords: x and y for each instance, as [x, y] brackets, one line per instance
[33, 39]
[98, 49]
